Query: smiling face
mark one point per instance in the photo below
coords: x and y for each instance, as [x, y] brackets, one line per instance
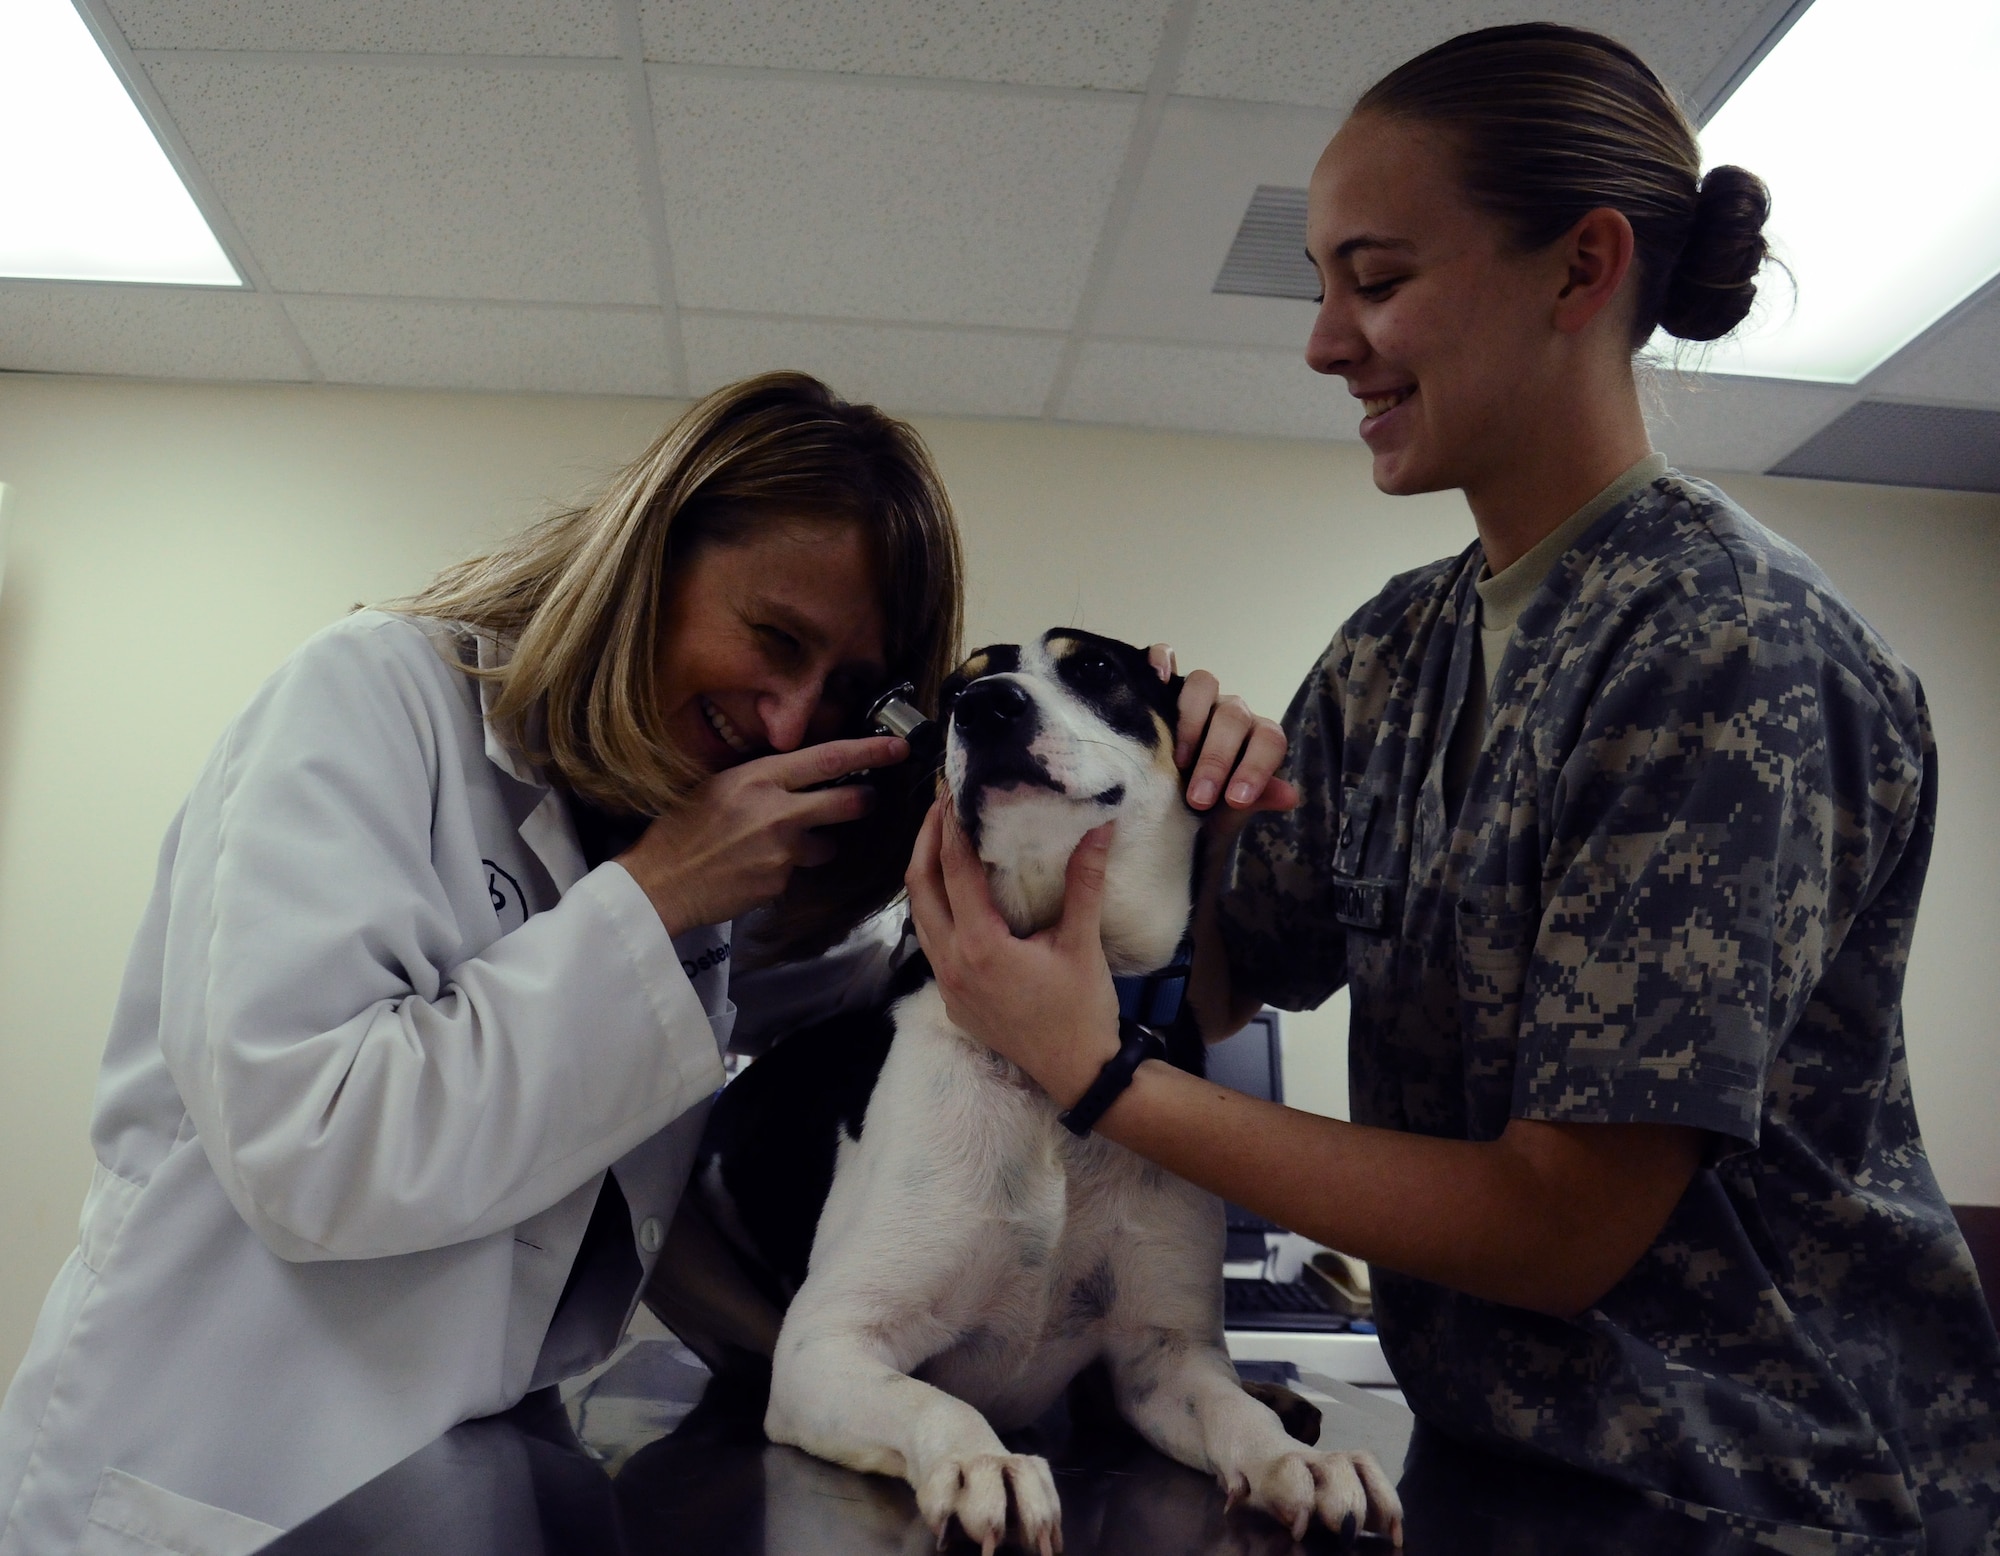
[1439, 325]
[772, 643]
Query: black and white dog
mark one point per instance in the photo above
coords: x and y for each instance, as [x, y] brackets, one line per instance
[951, 1255]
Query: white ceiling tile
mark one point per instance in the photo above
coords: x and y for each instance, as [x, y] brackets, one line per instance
[1711, 422]
[520, 184]
[1327, 52]
[369, 26]
[947, 372]
[965, 205]
[1086, 43]
[142, 332]
[1207, 161]
[455, 345]
[1206, 389]
[1962, 365]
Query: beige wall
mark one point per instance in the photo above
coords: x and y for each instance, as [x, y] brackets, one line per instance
[171, 543]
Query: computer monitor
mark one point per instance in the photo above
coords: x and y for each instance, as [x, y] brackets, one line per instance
[1252, 1062]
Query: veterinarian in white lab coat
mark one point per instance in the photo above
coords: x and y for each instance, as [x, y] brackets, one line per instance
[420, 1026]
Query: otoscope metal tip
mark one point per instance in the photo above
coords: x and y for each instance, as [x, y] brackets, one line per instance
[894, 713]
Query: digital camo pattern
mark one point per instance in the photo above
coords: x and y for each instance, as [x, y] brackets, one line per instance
[1681, 888]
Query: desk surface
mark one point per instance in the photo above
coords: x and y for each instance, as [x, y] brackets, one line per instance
[630, 1466]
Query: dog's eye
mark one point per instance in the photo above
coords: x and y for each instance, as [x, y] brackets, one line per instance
[1092, 667]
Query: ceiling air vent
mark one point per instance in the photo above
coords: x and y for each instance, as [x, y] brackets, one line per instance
[1268, 258]
[1903, 445]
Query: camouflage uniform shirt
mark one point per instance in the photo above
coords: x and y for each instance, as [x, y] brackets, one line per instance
[1680, 888]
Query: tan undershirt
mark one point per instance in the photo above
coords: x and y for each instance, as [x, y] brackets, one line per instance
[1502, 598]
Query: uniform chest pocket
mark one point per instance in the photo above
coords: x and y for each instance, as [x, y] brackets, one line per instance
[1359, 902]
[1495, 945]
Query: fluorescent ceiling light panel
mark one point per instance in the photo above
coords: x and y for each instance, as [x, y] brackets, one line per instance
[1874, 126]
[86, 193]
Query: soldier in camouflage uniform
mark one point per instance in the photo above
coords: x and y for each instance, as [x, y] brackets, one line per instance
[1618, 852]
[1679, 888]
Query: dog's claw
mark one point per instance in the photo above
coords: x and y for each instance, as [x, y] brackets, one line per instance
[1343, 1491]
[976, 1490]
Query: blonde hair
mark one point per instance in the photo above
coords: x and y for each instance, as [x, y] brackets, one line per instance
[581, 598]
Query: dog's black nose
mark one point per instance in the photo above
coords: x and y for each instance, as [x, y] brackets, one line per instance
[992, 707]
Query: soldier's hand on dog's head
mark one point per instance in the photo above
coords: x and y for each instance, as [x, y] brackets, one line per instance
[1234, 746]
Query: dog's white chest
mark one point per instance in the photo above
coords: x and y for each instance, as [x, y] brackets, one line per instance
[1043, 1234]
[1035, 1306]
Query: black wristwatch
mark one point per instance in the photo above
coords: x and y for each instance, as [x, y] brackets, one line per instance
[1136, 1046]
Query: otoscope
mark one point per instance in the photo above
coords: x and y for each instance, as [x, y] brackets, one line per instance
[894, 713]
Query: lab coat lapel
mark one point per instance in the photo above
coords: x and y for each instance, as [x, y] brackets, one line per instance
[547, 829]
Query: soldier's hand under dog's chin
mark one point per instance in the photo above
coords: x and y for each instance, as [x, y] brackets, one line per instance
[1226, 743]
[1046, 1002]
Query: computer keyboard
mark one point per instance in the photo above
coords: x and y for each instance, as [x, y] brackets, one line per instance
[1266, 1304]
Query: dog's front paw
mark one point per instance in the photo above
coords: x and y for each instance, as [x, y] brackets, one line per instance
[976, 1489]
[1347, 1490]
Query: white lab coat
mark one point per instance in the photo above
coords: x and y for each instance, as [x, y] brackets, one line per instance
[379, 1039]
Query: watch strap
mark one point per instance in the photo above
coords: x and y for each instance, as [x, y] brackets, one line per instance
[1135, 1047]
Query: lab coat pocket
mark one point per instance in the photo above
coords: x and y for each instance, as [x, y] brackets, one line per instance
[723, 1024]
[1495, 944]
[105, 1208]
[132, 1517]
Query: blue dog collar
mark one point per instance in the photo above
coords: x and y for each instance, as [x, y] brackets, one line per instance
[1154, 999]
